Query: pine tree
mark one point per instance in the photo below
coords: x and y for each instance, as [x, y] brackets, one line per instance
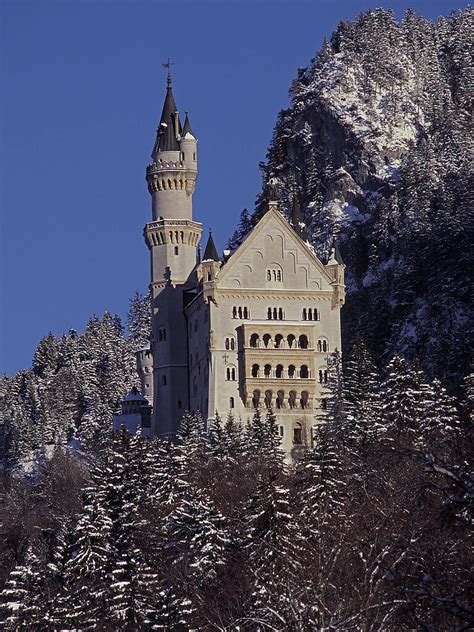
[139, 320]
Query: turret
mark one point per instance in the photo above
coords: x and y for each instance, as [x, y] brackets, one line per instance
[171, 176]
[335, 266]
[210, 264]
[144, 359]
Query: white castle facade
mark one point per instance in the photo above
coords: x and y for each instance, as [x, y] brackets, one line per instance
[251, 328]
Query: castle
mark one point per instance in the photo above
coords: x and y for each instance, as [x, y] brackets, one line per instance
[251, 328]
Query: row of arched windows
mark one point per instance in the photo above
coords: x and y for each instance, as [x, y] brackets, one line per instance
[240, 312]
[279, 371]
[322, 345]
[230, 344]
[275, 313]
[279, 342]
[274, 274]
[310, 314]
[280, 401]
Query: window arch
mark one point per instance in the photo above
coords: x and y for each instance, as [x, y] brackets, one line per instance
[256, 398]
[267, 370]
[266, 340]
[254, 340]
[280, 313]
[278, 341]
[246, 313]
[255, 370]
[304, 400]
[297, 434]
[234, 312]
[240, 312]
[291, 341]
[268, 398]
[292, 399]
[304, 373]
[303, 341]
[322, 346]
[280, 399]
[232, 344]
[304, 313]
[274, 275]
[291, 370]
[232, 374]
[279, 371]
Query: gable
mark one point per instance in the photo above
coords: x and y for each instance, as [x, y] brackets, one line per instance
[274, 257]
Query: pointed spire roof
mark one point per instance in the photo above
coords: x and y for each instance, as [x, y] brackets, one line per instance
[335, 254]
[166, 138]
[210, 252]
[187, 129]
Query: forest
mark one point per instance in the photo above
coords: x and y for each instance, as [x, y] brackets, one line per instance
[371, 527]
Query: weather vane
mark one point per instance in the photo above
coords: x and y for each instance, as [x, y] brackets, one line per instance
[167, 67]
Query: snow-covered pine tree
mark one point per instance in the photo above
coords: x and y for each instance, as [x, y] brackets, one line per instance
[139, 320]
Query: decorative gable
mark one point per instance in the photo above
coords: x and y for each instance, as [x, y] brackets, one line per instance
[274, 257]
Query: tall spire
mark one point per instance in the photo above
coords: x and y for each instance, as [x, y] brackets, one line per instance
[170, 126]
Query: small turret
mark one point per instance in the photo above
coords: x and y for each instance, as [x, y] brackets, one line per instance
[211, 263]
[335, 266]
[144, 359]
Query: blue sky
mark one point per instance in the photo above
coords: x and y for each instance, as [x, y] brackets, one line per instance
[83, 86]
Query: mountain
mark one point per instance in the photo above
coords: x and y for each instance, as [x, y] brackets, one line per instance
[375, 146]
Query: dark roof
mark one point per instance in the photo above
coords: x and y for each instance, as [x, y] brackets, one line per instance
[166, 138]
[187, 129]
[337, 252]
[211, 251]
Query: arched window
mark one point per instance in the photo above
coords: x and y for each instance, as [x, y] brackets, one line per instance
[228, 374]
[256, 399]
[291, 341]
[303, 342]
[232, 344]
[304, 313]
[254, 341]
[291, 370]
[227, 344]
[232, 375]
[269, 275]
[240, 312]
[304, 373]
[304, 399]
[255, 370]
[280, 313]
[316, 314]
[266, 340]
[280, 400]
[279, 371]
[325, 346]
[279, 275]
[267, 371]
[310, 314]
[268, 399]
[275, 313]
[231, 402]
[234, 312]
[320, 345]
[297, 434]
[246, 313]
[269, 313]
[278, 341]
[292, 399]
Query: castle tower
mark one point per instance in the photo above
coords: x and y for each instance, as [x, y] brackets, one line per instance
[144, 359]
[172, 238]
